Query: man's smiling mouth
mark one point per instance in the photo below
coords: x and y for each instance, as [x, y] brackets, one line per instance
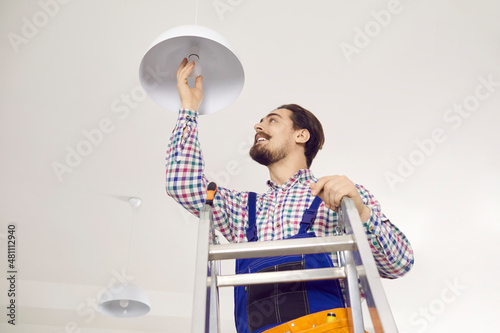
[261, 138]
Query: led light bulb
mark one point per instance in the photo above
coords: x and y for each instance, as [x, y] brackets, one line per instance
[123, 303]
[197, 66]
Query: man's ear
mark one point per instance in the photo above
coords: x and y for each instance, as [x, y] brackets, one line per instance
[302, 136]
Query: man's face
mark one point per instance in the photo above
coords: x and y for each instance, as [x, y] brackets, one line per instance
[273, 138]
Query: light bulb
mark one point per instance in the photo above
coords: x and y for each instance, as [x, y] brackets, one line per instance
[123, 303]
[197, 66]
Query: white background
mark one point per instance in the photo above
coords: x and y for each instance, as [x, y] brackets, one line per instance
[67, 66]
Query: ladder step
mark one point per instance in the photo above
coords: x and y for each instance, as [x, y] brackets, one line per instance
[282, 247]
[282, 276]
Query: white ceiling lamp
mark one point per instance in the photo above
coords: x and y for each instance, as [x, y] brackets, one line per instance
[125, 300]
[215, 60]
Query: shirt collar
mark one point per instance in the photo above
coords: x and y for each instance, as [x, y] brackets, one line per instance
[303, 176]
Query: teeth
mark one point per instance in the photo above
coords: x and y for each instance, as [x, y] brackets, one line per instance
[261, 139]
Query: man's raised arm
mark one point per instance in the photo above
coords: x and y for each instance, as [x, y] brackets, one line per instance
[185, 179]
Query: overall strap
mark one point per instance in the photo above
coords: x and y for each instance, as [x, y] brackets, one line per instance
[251, 231]
[309, 215]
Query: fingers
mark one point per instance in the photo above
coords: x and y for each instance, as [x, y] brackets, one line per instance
[184, 70]
[318, 186]
[331, 193]
[319, 189]
[190, 97]
[332, 189]
[338, 188]
[181, 66]
[199, 83]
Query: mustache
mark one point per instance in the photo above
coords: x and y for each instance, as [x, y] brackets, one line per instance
[261, 134]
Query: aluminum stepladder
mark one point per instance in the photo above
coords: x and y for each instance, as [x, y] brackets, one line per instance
[356, 264]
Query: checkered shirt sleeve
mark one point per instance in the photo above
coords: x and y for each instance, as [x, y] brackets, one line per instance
[186, 182]
[390, 247]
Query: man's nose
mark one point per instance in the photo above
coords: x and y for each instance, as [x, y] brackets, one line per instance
[258, 127]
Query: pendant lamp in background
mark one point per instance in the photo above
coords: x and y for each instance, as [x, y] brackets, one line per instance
[125, 300]
[215, 60]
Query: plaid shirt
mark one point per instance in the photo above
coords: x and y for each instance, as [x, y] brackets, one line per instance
[279, 210]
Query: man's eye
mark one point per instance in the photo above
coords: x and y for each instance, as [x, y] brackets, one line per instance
[272, 120]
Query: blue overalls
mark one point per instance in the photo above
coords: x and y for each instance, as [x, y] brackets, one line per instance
[261, 307]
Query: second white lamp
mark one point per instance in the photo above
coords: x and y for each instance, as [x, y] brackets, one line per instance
[215, 60]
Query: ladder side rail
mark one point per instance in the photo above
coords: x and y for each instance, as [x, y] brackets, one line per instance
[371, 283]
[201, 295]
[281, 247]
[353, 296]
[214, 326]
[214, 319]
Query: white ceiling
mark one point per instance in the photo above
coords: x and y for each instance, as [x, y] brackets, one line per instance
[67, 76]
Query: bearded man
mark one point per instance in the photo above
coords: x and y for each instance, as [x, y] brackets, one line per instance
[286, 141]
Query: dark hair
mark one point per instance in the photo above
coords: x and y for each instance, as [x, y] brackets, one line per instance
[304, 119]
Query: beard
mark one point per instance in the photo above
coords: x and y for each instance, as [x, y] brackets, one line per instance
[264, 156]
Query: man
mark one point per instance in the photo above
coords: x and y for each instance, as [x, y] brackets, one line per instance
[286, 142]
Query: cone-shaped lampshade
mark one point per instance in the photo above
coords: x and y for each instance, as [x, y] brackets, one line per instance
[222, 71]
[124, 301]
